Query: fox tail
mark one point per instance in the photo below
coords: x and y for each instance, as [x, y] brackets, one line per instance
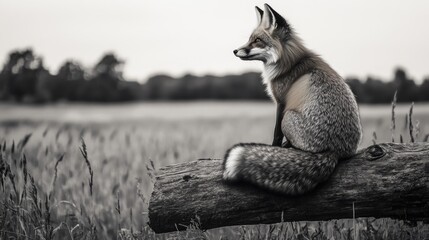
[284, 170]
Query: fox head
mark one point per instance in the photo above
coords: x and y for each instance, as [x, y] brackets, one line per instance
[266, 43]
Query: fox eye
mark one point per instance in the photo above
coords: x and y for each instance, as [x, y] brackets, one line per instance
[257, 40]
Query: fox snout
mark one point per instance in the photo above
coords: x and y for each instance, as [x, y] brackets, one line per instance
[242, 52]
[247, 52]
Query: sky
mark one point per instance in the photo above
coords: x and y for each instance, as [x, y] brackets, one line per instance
[357, 38]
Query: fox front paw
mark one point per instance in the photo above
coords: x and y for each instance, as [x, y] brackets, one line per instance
[231, 163]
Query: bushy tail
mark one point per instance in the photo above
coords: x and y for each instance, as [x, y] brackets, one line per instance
[284, 170]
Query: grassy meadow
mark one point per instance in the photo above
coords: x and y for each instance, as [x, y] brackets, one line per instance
[88, 170]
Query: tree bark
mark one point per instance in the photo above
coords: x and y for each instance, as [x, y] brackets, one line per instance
[383, 181]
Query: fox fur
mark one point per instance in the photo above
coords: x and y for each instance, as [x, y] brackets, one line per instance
[320, 119]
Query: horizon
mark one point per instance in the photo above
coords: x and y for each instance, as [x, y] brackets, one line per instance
[391, 34]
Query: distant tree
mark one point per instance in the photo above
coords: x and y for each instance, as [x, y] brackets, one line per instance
[109, 66]
[19, 76]
[407, 88]
[378, 91]
[358, 89]
[71, 71]
[424, 90]
[103, 85]
[65, 84]
[130, 91]
[158, 87]
[188, 87]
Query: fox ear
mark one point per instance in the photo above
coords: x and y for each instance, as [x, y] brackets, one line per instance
[267, 18]
[272, 19]
[259, 14]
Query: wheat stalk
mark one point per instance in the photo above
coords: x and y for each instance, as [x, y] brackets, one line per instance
[25, 173]
[12, 149]
[393, 126]
[410, 121]
[24, 141]
[84, 152]
[60, 159]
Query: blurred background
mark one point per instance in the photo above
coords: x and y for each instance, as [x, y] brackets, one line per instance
[145, 84]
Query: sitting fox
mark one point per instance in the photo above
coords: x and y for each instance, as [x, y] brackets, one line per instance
[316, 112]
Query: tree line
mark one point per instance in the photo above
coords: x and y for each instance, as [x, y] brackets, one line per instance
[24, 78]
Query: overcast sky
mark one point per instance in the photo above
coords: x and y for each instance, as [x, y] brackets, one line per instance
[358, 38]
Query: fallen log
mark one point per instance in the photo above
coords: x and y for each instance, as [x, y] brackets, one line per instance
[383, 181]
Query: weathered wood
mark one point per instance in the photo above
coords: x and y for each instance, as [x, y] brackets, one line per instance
[385, 180]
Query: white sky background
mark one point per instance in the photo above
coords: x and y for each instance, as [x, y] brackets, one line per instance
[358, 38]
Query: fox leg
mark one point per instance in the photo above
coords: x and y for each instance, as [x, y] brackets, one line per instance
[287, 144]
[278, 133]
[297, 130]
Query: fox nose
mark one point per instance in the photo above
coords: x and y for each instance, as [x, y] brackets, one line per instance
[235, 51]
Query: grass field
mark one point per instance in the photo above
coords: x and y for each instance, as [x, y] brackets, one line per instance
[126, 144]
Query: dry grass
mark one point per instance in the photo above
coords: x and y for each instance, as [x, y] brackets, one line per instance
[93, 180]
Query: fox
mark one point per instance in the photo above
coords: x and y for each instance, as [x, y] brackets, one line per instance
[316, 114]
